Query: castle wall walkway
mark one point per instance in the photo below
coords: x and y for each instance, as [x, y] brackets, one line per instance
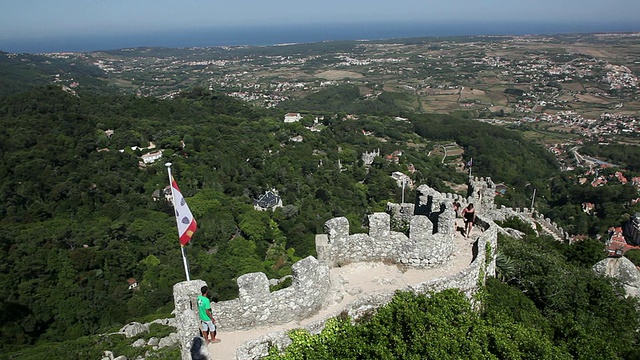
[354, 273]
[357, 288]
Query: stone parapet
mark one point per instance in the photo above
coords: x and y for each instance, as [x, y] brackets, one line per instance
[257, 306]
[400, 214]
[468, 280]
[482, 193]
[421, 248]
[532, 218]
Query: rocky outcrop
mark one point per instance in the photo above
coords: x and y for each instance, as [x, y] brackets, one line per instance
[134, 329]
[622, 269]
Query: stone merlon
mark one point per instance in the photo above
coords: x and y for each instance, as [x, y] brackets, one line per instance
[257, 306]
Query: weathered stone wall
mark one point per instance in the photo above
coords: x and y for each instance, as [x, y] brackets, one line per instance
[482, 193]
[553, 228]
[467, 280]
[532, 218]
[422, 248]
[430, 242]
[257, 306]
[503, 213]
[400, 215]
[185, 297]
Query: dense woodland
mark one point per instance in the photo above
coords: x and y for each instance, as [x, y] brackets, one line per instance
[627, 157]
[76, 223]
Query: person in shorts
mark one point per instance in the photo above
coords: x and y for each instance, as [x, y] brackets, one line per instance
[207, 323]
[469, 216]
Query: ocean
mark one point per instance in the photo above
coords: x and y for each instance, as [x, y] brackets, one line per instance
[272, 35]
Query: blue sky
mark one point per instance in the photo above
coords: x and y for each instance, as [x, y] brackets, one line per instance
[23, 19]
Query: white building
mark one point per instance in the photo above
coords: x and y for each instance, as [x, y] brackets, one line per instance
[292, 117]
[149, 158]
[402, 178]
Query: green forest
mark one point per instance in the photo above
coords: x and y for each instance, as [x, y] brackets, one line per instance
[78, 216]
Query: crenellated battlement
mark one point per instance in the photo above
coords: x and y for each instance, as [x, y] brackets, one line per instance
[554, 229]
[257, 306]
[468, 280]
[532, 218]
[427, 240]
[422, 248]
[482, 193]
[502, 213]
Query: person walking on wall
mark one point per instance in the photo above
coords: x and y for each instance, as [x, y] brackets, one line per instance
[456, 207]
[469, 215]
[207, 323]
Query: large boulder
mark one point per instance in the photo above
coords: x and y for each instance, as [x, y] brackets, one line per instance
[139, 343]
[134, 329]
[170, 340]
[622, 269]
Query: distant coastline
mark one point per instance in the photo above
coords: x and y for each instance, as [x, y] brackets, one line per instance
[273, 35]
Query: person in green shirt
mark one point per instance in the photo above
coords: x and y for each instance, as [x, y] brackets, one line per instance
[207, 322]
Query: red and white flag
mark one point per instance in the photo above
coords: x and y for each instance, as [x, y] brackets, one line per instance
[186, 223]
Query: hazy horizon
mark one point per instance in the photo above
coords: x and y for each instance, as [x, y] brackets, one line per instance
[278, 34]
[74, 25]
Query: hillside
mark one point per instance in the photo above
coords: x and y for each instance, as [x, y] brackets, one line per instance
[22, 72]
[79, 218]
[82, 214]
[76, 222]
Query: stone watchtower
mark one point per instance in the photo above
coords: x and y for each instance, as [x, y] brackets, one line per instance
[482, 193]
[185, 296]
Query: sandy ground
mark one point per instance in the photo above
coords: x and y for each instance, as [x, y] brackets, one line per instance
[348, 283]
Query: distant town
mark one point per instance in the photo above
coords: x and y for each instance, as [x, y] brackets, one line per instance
[560, 90]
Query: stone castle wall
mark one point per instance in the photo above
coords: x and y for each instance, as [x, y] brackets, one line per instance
[185, 296]
[257, 306]
[503, 213]
[422, 248]
[429, 242]
[468, 281]
[532, 218]
[558, 232]
[482, 192]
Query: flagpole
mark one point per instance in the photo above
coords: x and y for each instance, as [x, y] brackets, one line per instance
[184, 257]
[533, 199]
[184, 261]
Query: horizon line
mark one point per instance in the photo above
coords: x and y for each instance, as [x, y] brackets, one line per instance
[272, 35]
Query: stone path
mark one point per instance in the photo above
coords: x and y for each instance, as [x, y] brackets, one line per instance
[348, 283]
